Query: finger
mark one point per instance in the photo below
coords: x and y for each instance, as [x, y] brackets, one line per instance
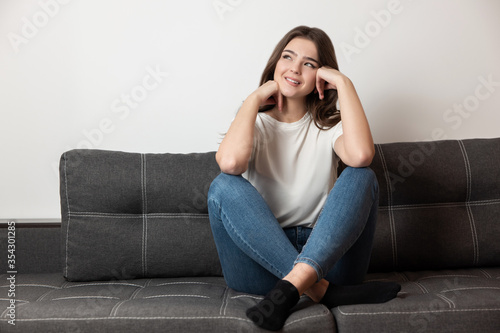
[280, 101]
[319, 85]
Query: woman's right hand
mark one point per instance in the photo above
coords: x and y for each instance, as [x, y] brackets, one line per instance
[269, 94]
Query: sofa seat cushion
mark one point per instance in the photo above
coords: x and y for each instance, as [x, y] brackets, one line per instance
[462, 300]
[49, 303]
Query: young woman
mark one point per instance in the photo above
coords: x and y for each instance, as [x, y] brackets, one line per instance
[281, 228]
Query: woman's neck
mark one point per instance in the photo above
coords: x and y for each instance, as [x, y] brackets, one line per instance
[293, 110]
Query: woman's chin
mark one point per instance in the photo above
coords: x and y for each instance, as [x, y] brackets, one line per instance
[291, 94]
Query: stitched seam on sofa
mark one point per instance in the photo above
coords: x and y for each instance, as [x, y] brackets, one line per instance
[6, 311]
[224, 297]
[17, 300]
[305, 318]
[84, 297]
[132, 216]
[114, 310]
[442, 205]
[136, 318]
[160, 296]
[470, 288]
[389, 201]
[413, 312]
[48, 292]
[447, 300]
[403, 276]
[421, 286]
[69, 213]
[467, 201]
[34, 285]
[144, 212]
[486, 274]
[187, 282]
[447, 276]
[227, 303]
[103, 284]
[248, 296]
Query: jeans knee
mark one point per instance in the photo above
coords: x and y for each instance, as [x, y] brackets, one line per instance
[365, 176]
[216, 187]
[221, 185]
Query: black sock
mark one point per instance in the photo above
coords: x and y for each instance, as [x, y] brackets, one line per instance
[365, 293]
[272, 312]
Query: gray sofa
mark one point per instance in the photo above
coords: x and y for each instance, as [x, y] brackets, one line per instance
[134, 251]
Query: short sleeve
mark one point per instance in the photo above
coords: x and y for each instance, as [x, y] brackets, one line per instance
[336, 133]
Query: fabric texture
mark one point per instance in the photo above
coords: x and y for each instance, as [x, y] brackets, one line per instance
[439, 205]
[132, 215]
[294, 167]
[49, 303]
[439, 210]
[459, 300]
[37, 248]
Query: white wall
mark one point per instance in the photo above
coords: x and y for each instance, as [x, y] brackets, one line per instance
[66, 67]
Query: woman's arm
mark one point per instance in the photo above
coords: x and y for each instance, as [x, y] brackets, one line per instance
[236, 148]
[355, 146]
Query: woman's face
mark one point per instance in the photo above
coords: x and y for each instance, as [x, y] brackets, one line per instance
[296, 69]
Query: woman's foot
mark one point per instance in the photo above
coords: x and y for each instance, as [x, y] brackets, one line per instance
[317, 291]
[272, 312]
[365, 293]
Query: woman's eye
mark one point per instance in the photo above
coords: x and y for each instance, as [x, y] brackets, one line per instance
[310, 65]
[286, 56]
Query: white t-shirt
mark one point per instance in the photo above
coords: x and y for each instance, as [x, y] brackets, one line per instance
[294, 167]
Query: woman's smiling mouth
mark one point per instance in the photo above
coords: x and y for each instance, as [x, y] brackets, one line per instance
[292, 81]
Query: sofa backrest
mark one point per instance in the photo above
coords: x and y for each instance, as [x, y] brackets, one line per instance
[439, 205]
[132, 215]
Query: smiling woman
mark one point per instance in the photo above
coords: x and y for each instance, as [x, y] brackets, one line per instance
[279, 166]
[324, 112]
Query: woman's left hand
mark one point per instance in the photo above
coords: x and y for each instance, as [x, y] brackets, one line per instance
[328, 78]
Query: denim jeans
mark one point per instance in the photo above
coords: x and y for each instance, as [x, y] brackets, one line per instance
[255, 252]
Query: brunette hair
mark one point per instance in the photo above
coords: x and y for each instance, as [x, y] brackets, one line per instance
[324, 112]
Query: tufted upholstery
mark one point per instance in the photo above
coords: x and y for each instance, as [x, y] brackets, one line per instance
[460, 300]
[49, 303]
[131, 215]
[430, 301]
[439, 205]
[438, 235]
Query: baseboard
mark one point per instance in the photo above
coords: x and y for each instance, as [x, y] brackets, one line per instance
[31, 223]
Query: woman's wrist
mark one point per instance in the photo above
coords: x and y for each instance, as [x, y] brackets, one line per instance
[344, 82]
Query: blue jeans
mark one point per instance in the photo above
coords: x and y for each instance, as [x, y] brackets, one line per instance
[255, 252]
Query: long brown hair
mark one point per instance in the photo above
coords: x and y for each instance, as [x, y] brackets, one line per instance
[324, 112]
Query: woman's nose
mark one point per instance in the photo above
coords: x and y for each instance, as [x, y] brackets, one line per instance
[294, 70]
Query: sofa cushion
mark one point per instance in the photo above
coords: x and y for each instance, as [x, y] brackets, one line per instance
[461, 300]
[439, 205]
[48, 303]
[133, 215]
